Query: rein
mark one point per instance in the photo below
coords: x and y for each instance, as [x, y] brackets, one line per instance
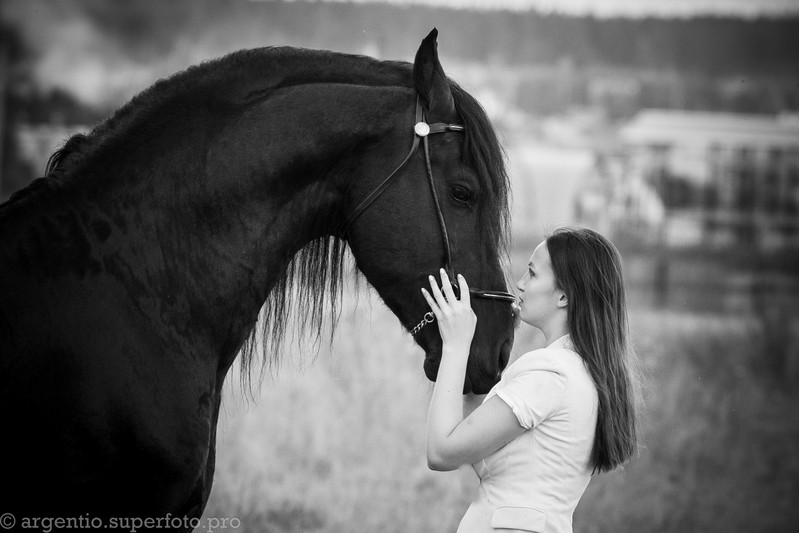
[421, 131]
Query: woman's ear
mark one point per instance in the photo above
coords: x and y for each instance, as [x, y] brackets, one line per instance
[563, 301]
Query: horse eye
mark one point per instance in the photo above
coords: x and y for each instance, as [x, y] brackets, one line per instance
[461, 194]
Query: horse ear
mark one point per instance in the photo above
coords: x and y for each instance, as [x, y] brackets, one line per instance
[429, 78]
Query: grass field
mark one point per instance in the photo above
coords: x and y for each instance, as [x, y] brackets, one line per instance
[335, 442]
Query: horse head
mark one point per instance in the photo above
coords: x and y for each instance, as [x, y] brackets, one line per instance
[446, 206]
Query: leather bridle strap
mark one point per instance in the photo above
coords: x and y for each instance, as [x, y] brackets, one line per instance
[366, 202]
[421, 131]
[441, 222]
[476, 293]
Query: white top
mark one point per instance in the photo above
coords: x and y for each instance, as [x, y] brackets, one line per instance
[535, 482]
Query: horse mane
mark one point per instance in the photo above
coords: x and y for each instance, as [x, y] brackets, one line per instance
[59, 158]
[47, 183]
[309, 291]
[307, 295]
[238, 78]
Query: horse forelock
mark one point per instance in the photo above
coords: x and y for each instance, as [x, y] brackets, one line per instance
[483, 152]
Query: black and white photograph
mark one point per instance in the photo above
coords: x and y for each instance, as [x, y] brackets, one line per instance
[399, 266]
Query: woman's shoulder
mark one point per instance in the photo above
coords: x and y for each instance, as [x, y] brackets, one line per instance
[553, 359]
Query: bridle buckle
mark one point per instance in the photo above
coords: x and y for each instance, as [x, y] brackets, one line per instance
[422, 129]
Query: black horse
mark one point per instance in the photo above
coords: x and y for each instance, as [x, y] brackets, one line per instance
[133, 274]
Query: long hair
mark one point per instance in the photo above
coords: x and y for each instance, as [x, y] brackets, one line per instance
[587, 267]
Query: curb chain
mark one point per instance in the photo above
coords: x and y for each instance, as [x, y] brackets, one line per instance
[429, 318]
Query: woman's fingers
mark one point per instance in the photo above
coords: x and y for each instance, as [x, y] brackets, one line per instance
[443, 298]
[446, 285]
[432, 303]
[464, 287]
[440, 299]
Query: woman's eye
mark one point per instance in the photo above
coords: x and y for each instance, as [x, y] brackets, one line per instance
[461, 194]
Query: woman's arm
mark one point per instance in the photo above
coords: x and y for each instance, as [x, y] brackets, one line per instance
[451, 439]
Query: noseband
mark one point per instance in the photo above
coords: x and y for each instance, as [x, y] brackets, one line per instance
[421, 131]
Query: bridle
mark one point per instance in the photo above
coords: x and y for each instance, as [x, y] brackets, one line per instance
[421, 131]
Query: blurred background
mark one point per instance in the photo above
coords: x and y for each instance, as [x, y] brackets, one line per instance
[672, 126]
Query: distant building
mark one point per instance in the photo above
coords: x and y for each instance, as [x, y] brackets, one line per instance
[546, 179]
[721, 179]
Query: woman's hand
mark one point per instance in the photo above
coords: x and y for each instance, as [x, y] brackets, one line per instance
[456, 320]
[451, 443]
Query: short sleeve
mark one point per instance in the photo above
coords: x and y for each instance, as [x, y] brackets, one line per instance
[534, 395]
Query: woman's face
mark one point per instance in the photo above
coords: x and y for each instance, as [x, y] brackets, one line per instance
[539, 298]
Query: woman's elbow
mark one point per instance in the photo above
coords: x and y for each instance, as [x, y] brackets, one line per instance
[439, 463]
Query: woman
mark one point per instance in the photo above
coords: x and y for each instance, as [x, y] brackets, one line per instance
[558, 414]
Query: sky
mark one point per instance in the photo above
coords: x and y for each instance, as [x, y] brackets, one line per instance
[608, 8]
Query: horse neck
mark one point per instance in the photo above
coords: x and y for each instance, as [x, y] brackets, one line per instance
[197, 224]
[271, 179]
